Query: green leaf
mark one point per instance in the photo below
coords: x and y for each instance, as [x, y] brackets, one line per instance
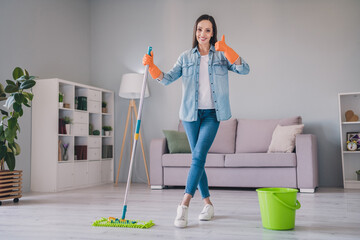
[28, 95]
[21, 112]
[3, 150]
[10, 135]
[10, 160]
[26, 104]
[26, 73]
[12, 123]
[10, 82]
[17, 107]
[18, 127]
[19, 97]
[2, 90]
[27, 84]
[18, 72]
[3, 112]
[9, 102]
[11, 88]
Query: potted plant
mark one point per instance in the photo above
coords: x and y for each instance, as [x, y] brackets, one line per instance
[67, 121]
[104, 109]
[358, 175]
[107, 130]
[61, 99]
[16, 97]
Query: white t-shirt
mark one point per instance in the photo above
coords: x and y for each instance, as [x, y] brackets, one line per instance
[205, 97]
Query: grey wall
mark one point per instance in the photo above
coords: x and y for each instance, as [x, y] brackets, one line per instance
[301, 54]
[50, 38]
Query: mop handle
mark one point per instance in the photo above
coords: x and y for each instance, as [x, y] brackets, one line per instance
[136, 136]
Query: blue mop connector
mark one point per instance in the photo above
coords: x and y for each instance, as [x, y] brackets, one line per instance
[124, 212]
[149, 50]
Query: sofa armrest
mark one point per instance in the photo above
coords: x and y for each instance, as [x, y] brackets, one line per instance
[307, 163]
[157, 149]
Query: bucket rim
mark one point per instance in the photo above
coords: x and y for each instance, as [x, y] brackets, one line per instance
[277, 190]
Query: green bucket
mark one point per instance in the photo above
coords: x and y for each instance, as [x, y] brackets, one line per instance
[277, 207]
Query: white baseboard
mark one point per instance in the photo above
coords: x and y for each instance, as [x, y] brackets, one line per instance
[156, 187]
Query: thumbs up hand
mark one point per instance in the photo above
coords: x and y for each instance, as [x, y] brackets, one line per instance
[230, 54]
[221, 45]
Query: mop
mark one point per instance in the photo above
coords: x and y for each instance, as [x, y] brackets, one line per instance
[122, 222]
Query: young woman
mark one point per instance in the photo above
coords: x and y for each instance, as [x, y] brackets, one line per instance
[205, 102]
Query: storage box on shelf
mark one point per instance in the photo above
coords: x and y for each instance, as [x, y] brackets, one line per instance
[70, 159]
[350, 159]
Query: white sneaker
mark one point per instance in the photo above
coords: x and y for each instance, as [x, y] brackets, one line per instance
[207, 213]
[181, 219]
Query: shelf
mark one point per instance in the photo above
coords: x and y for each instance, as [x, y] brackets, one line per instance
[352, 184]
[88, 169]
[350, 123]
[66, 109]
[351, 152]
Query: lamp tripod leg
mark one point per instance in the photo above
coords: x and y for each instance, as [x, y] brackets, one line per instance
[123, 143]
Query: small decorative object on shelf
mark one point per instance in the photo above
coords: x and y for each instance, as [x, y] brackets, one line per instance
[358, 175]
[96, 132]
[104, 109]
[66, 105]
[351, 145]
[107, 130]
[61, 99]
[81, 152]
[91, 127]
[67, 122]
[107, 151]
[351, 117]
[65, 156]
[81, 103]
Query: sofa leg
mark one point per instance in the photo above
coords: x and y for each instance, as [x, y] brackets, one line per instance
[307, 190]
[156, 187]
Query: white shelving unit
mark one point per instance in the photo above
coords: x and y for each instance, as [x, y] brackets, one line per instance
[350, 159]
[86, 165]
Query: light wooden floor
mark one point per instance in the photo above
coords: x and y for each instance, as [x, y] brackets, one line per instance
[327, 214]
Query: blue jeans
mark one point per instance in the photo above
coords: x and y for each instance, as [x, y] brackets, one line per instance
[201, 134]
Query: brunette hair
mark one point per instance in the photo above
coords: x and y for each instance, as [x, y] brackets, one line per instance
[213, 40]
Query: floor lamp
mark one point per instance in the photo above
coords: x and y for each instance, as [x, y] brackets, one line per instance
[130, 88]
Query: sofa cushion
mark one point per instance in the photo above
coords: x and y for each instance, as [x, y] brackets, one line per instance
[260, 160]
[254, 136]
[184, 160]
[177, 142]
[283, 138]
[224, 141]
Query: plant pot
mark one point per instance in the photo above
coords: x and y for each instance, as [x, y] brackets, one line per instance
[10, 185]
[358, 177]
[104, 110]
[67, 127]
[107, 133]
[61, 104]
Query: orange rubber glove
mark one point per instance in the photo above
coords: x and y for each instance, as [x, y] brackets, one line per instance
[230, 54]
[153, 69]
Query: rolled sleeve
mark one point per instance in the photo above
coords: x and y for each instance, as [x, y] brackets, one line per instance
[243, 68]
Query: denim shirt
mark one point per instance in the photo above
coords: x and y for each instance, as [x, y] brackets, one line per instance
[187, 67]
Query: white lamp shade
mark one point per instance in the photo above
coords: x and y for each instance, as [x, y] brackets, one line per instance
[131, 85]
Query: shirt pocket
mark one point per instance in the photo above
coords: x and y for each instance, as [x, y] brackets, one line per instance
[188, 69]
[220, 68]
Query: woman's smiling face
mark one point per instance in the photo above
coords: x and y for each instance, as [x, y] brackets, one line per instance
[204, 32]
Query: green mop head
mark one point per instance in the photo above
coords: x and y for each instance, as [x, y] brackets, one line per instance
[115, 222]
